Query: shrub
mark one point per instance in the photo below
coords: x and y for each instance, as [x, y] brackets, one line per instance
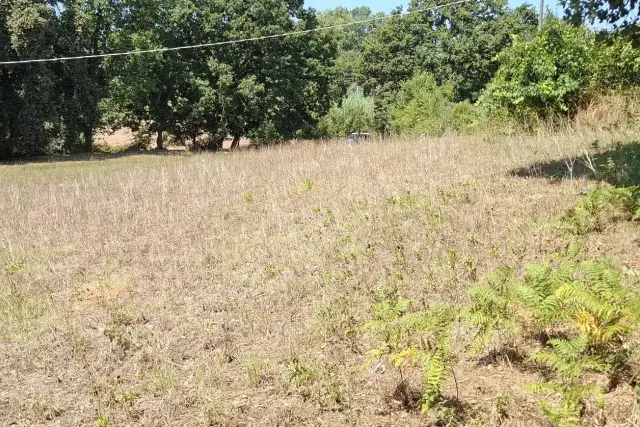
[558, 71]
[355, 114]
[617, 64]
[545, 76]
[424, 108]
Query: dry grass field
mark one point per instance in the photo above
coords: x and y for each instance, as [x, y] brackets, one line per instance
[231, 289]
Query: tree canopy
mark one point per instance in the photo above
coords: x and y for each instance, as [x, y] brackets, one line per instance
[415, 73]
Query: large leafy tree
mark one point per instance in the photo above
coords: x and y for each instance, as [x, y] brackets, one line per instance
[454, 44]
[620, 14]
[28, 27]
[47, 106]
[267, 89]
[145, 90]
[274, 88]
[84, 28]
[9, 78]
[350, 42]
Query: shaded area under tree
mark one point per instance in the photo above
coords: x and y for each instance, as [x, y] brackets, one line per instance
[618, 166]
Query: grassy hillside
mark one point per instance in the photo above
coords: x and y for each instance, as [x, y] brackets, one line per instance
[233, 289]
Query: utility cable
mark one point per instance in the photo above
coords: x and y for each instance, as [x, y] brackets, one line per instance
[229, 42]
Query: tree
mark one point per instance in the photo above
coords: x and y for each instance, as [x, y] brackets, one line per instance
[267, 89]
[160, 92]
[31, 99]
[350, 41]
[84, 28]
[620, 14]
[455, 44]
[9, 97]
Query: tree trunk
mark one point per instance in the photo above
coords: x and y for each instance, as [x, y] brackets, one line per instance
[159, 141]
[87, 131]
[236, 143]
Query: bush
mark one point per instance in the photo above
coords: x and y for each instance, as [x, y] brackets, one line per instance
[558, 71]
[424, 108]
[355, 114]
[545, 76]
[617, 64]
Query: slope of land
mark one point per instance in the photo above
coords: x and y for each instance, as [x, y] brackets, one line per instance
[232, 289]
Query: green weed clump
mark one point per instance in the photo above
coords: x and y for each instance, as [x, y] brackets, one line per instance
[568, 359]
[102, 421]
[602, 207]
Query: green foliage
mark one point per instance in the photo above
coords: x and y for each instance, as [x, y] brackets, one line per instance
[47, 107]
[268, 91]
[557, 71]
[350, 40]
[308, 184]
[355, 114]
[12, 269]
[618, 14]
[569, 360]
[585, 310]
[415, 339]
[584, 299]
[492, 309]
[537, 293]
[102, 421]
[617, 63]
[546, 76]
[455, 44]
[602, 207]
[301, 374]
[363, 77]
[423, 108]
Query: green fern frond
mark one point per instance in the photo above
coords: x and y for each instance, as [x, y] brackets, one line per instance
[543, 388]
[481, 341]
[434, 371]
[529, 295]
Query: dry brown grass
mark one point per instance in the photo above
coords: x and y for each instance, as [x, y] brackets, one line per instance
[230, 289]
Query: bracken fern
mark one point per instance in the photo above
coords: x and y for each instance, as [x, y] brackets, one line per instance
[418, 339]
[568, 359]
[492, 309]
[601, 207]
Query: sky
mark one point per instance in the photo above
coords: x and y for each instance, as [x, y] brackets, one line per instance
[382, 5]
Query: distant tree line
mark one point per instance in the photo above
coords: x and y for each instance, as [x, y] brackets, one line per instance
[423, 73]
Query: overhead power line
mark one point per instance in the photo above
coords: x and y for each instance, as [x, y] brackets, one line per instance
[230, 42]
